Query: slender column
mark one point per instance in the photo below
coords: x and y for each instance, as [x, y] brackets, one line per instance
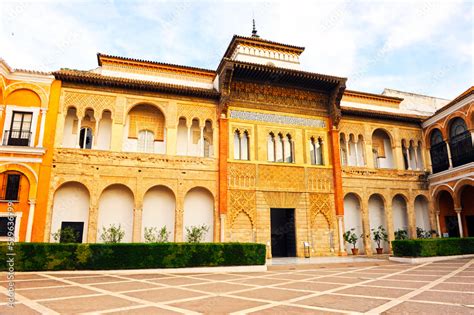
[366, 237]
[438, 225]
[79, 123]
[458, 213]
[201, 139]
[449, 154]
[356, 153]
[340, 224]
[96, 133]
[31, 216]
[43, 122]
[417, 164]
[347, 151]
[92, 229]
[407, 150]
[188, 149]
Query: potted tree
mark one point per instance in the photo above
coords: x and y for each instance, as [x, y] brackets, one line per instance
[351, 238]
[379, 235]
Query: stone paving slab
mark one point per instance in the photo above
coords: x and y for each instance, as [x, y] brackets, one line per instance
[393, 288]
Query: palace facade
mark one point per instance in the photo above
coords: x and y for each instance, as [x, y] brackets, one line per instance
[257, 150]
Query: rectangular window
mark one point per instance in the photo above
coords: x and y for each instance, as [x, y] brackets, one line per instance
[4, 226]
[20, 129]
[13, 187]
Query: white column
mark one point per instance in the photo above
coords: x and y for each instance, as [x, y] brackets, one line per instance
[408, 157]
[417, 158]
[188, 149]
[449, 154]
[31, 216]
[356, 152]
[95, 134]
[43, 122]
[201, 139]
[458, 213]
[341, 233]
[347, 151]
[438, 225]
[79, 123]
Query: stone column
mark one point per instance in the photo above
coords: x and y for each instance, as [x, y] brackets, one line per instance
[31, 218]
[407, 151]
[222, 218]
[201, 141]
[215, 141]
[137, 224]
[356, 152]
[366, 227]
[92, 229]
[79, 123]
[96, 134]
[43, 122]
[458, 213]
[347, 151]
[417, 158]
[389, 224]
[438, 225]
[449, 155]
[411, 218]
[178, 224]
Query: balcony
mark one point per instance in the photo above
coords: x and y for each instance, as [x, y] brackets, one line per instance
[17, 138]
[462, 150]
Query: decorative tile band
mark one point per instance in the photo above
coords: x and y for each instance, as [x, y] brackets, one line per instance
[278, 119]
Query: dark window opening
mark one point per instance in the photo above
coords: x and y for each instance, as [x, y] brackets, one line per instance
[5, 226]
[20, 129]
[12, 187]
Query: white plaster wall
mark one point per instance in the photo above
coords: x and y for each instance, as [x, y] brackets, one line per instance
[360, 152]
[105, 133]
[69, 139]
[387, 162]
[399, 214]
[199, 210]
[71, 204]
[413, 164]
[270, 152]
[352, 155]
[422, 214]
[116, 207]
[377, 218]
[353, 219]
[159, 206]
[265, 60]
[236, 146]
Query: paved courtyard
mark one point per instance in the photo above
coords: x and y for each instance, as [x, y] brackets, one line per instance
[434, 288]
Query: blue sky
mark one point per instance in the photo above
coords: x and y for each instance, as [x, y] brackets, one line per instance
[418, 46]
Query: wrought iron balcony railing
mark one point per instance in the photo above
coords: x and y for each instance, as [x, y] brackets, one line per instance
[17, 138]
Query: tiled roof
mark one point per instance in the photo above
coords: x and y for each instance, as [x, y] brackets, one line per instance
[86, 77]
[259, 41]
[459, 98]
[382, 114]
[156, 63]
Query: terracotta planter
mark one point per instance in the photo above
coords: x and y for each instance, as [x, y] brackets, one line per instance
[379, 250]
[355, 251]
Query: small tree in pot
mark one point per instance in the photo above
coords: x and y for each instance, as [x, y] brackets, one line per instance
[379, 236]
[351, 238]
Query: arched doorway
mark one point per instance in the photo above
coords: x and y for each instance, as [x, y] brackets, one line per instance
[116, 208]
[377, 218]
[399, 214]
[71, 209]
[467, 206]
[198, 211]
[448, 217]
[353, 220]
[422, 213]
[159, 205]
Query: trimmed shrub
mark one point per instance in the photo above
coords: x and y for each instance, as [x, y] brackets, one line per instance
[433, 247]
[54, 256]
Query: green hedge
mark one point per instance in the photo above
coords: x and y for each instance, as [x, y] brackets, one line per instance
[54, 256]
[433, 247]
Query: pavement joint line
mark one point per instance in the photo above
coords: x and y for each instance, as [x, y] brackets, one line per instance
[42, 288]
[436, 302]
[363, 296]
[276, 303]
[119, 309]
[30, 303]
[123, 296]
[452, 291]
[68, 297]
[416, 292]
